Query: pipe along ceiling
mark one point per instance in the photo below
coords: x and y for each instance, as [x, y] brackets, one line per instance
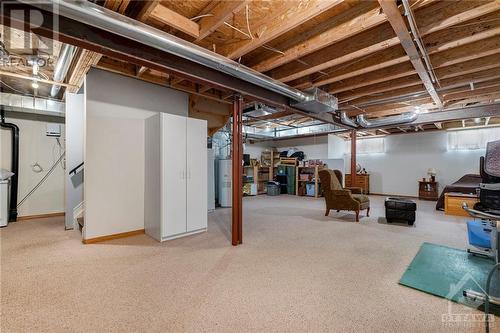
[313, 101]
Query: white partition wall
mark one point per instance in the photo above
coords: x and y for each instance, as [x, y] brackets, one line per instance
[74, 153]
[115, 149]
[114, 173]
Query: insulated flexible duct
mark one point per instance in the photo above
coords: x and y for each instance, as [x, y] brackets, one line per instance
[404, 118]
[344, 118]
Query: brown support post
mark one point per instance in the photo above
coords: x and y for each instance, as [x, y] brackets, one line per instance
[237, 174]
[353, 158]
[240, 178]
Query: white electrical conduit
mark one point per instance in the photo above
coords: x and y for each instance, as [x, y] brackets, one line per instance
[416, 35]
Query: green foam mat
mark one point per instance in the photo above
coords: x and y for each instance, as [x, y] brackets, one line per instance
[445, 272]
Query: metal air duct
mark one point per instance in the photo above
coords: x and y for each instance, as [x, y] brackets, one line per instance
[404, 118]
[61, 67]
[108, 20]
[344, 119]
[29, 104]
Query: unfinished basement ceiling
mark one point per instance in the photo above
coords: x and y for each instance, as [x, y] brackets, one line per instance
[19, 50]
[349, 48]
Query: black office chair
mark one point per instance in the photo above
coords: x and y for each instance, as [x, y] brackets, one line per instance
[489, 193]
[484, 234]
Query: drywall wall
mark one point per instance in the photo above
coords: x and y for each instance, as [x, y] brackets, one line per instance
[35, 147]
[337, 147]
[407, 158]
[313, 147]
[254, 150]
[74, 153]
[114, 148]
[114, 89]
[114, 171]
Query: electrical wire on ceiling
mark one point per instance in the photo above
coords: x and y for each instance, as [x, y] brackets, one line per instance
[201, 16]
[247, 14]
[239, 30]
[270, 48]
[300, 61]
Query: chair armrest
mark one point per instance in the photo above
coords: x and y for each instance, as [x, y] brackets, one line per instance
[355, 190]
[341, 193]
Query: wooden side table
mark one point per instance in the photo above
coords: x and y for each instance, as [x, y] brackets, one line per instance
[453, 202]
[428, 190]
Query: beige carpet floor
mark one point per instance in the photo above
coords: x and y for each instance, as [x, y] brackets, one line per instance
[297, 271]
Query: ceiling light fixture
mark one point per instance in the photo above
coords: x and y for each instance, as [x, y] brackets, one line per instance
[35, 60]
[34, 84]
[35, 69]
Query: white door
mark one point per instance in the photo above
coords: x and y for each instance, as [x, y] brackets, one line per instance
[174, 175]
[197, 174]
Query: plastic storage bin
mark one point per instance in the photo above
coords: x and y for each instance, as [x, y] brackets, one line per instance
[310, 189]
[4, 202]
[273, 188]
[479, 234]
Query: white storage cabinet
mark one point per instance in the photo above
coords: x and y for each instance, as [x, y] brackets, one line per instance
[176, 176]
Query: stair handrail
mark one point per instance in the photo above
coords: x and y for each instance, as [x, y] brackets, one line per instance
[75, 169]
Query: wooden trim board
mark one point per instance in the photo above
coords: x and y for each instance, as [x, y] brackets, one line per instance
[39, 216]
[114, 236]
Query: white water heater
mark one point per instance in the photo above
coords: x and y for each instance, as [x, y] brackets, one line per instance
[225, 183]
